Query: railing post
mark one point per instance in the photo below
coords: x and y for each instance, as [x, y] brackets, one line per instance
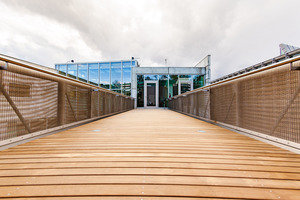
[61, 103]
[239, 101]
[90, 99]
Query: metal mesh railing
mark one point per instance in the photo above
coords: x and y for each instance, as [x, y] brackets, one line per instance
[266, 101]
[32, 99]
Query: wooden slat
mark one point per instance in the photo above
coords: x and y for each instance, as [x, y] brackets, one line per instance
[148, 154]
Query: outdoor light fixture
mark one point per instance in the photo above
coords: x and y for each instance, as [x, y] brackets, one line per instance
[95, 90]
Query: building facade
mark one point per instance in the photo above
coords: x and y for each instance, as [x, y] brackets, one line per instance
[150, 86]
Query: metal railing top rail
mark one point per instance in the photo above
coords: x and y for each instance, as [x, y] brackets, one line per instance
[286, 61]
[32, 66]
[268, 62]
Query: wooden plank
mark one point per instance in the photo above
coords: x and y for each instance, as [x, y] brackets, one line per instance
[150, 180]
[118, 164]
[148, 154]
[148, 190]
[151, 171]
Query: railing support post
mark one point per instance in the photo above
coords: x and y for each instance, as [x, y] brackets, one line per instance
[238, 96]
[14, 107]
[61, 104]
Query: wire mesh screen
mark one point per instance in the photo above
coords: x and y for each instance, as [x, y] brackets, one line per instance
[32, 101]
[35, 99]
[267, 102]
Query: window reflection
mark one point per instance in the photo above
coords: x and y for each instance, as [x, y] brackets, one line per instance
[116, 75]
[105, 75]
[82, 72]
[72, 70]
[198, 81]
[151, 77]
[127, 75]
[93, 73]
[62, 69]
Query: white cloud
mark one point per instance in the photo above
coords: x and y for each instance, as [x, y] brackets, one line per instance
[237, 33]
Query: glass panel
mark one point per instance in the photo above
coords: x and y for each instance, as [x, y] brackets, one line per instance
[72, 70]
[151, 77]
[198, 81]
[140, 91]
[163, 90]
[93, 73]
[185, 87]
[82, 72]
[118, 91]
[116, 75]
[133, 63]
[173, 85]
[186, 77]
[127, 92]
[105, 75]
[127, 75]
[62, 69]
[151, 94]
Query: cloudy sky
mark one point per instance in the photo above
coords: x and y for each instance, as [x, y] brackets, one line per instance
[237, 33]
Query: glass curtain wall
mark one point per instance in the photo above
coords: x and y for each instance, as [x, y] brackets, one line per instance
[83, 72]
[168, 86]
[116, 76]
[109, 75]
[126, 78]
[62, 69]
[94, 73]
[72, 70]
[105, 75]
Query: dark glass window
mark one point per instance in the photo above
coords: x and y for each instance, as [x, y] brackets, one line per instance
[173, 85]
[198, 81]
[140, 91]
[163, 90]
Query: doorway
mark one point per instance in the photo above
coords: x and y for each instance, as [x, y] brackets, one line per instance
[150, 94]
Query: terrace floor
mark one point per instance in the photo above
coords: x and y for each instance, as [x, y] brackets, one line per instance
[148, 154]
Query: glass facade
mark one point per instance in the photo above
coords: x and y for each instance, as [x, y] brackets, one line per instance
[93, 73]
[118, 76]
[168, 86]
[114, 76]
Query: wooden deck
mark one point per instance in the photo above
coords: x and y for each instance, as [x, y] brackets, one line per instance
[148, 154]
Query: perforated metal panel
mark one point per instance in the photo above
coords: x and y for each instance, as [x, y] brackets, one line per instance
[267, 102]
[33, 100]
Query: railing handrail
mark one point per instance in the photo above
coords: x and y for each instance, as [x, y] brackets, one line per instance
[290, 60]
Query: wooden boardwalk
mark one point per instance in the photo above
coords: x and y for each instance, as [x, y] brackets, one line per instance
[148, 154]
